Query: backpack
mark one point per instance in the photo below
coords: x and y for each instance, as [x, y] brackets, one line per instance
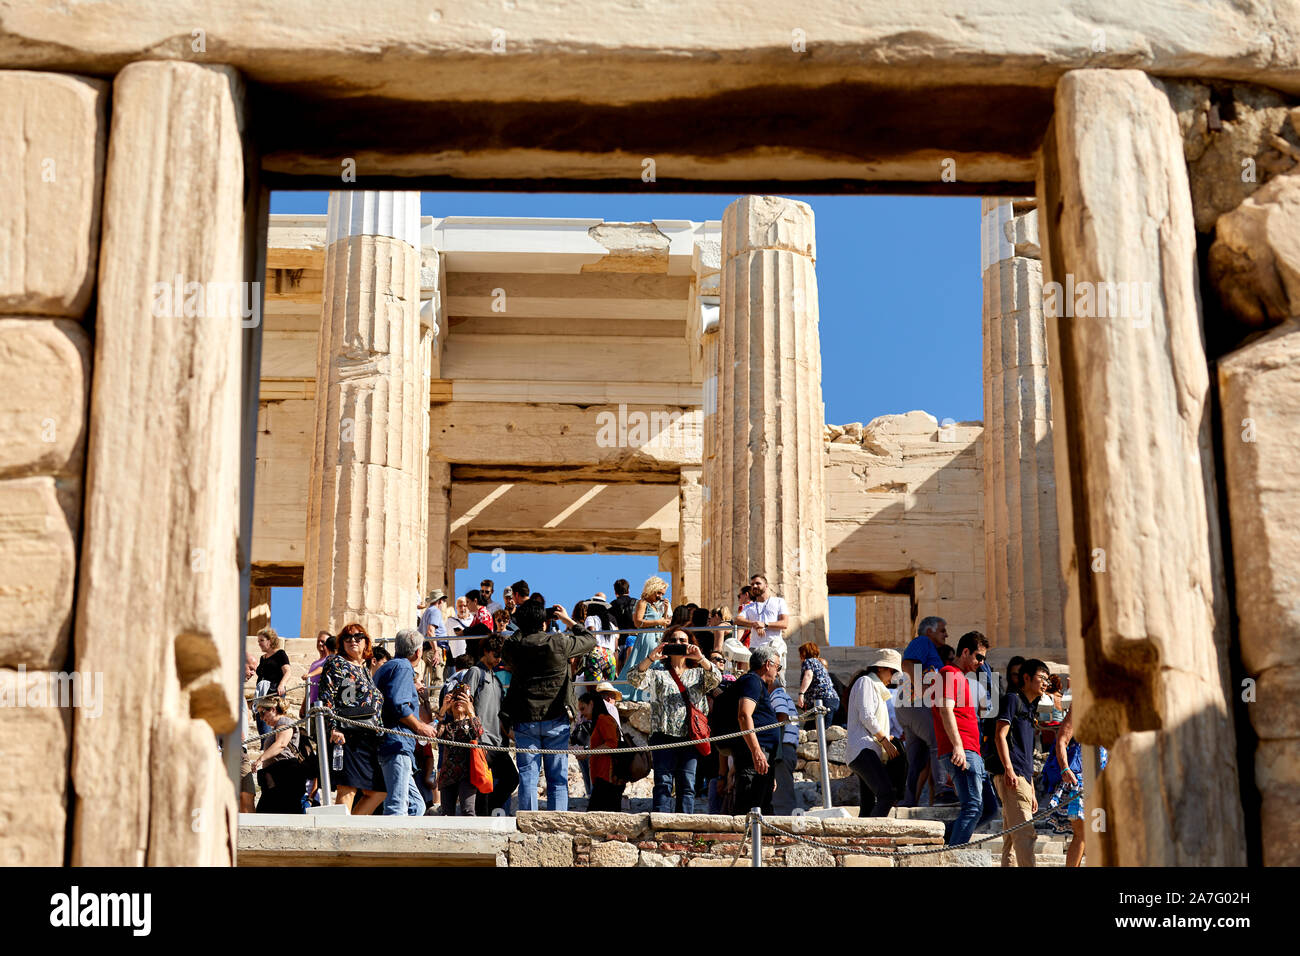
[724, 717]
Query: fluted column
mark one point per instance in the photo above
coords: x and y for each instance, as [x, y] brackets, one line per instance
[1023, 596]
[768, 470]
[365, 506]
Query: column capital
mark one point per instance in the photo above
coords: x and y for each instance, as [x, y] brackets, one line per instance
[374, 213]
[769, 222]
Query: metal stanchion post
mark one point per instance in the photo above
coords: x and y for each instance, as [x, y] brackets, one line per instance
[323, 756]
[821, 750]
[756, 836]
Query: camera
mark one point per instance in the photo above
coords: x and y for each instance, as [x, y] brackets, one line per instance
[676, 648]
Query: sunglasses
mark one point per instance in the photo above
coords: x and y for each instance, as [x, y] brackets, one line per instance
[353, 637]
[979, 658]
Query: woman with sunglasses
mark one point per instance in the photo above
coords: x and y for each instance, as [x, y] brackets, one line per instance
[347, 689]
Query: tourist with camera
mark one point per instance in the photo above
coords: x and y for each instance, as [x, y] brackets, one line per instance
[677, 693]
[539, 704]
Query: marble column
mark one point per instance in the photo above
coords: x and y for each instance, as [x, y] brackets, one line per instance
[259, 609]
[707, 263]
[690, 507]
[1023, 598]
[365, 511]
[768, 472]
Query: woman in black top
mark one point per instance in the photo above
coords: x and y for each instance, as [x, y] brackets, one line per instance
[273, 668]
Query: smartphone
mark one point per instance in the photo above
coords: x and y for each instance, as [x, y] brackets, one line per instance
[675, 649]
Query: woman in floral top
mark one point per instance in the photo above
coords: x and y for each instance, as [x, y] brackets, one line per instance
[457, 721]
[668, 713]
[347, 689]
[815, 684]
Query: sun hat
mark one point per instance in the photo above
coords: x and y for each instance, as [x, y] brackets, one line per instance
[434, 595]
[888, 657]
[605, 687]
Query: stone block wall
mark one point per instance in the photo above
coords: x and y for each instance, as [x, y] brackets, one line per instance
[53, 131]
[695, 840]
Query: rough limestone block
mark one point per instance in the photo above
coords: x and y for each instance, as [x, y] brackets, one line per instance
[633, 826]
[38, 565]
[1135, 478]
[861, 859]
[36, 742]
[1277, 774]
[710, 860]
[163, 465]
[649, 858]
[541, 849]
[1255, 259]
[614, 853]
[697, 823]
[42, 428]
[52, 134]
[973, 857]
[1259, 387]
[803, 855]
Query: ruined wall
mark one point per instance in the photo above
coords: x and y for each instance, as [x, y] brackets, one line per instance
[904, 501]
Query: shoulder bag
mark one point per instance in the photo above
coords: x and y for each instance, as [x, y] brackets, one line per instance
[697, 725]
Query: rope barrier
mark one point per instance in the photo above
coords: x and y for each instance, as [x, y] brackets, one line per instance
[583, 752]
[287, 692]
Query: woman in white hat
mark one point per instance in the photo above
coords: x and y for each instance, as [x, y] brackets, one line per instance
[869, 747]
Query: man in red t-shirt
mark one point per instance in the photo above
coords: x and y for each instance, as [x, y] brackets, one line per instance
[956, 729]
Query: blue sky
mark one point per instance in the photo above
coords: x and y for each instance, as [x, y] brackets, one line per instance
[898, 282]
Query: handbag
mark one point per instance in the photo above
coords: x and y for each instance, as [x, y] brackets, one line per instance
[629, 767]
[697, 725]
[480, 774]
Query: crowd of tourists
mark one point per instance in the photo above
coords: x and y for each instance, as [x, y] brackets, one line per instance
[933, 721]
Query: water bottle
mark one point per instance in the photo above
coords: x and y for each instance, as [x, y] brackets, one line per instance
[338, 756]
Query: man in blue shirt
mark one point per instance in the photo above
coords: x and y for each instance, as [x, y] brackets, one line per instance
[754, 780]
[396, 681]
[914, 709]
[783, 798]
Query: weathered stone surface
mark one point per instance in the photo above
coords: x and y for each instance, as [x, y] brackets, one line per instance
[281, 840]
[803, 855]
[881, 827]
[541, 849]
[42, 429]
[614, 853]
[711, 860]
[1277, 773]
[36, 742]
[162, 490]
[599, 825]
[835, 732]
[1255, 259]
[53, 129]
[1231, 143]
[767, 482]
[1143, 482]
[697, 822]
[38, 566]
[1259, 387]
[650, 858]
[921, 498]
[861, 859]
[973, 857]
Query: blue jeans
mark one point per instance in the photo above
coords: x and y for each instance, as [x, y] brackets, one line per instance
[991, 804]
[403, 798]
[548, 735]
[676, 765]
[969, 784]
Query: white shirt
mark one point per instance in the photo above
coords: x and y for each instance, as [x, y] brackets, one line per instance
[594, 623]
[868, 716]
[493, 607]
[763, 612]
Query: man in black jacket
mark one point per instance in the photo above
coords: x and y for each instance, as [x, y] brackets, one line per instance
[620, 610]
[540, 704]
